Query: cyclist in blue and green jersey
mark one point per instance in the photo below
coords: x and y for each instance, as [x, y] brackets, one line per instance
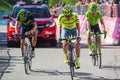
[69, 25]
[93, 17]
[27, 26]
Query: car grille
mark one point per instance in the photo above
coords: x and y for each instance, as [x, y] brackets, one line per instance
[40, 28]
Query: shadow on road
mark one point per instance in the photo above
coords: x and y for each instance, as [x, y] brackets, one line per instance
[58, 73]
[4, 63]
[110, 67]
[78, 75]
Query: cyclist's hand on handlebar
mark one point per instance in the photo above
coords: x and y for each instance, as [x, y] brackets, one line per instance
[60, 38]
[78, 38]
[32, 32]
[91, 33]
[27, 33]
[105, 33]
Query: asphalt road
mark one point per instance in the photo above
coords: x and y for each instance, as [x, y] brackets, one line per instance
[48, 65]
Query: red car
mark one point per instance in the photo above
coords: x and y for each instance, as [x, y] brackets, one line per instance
[46, 25]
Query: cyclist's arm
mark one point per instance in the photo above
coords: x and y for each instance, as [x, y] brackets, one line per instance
[60, 30]
[78, 28]
[101, 20]
[103, 25]
[34, 28]
[88, 20]
[60, 25]
[16, 26]
[88, 26]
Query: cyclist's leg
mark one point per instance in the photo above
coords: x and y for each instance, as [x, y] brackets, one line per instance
[77, 48]
[65, 45]
[22, 40]
[90, 41]
[77, 54]
[97, 29]
[33, 41]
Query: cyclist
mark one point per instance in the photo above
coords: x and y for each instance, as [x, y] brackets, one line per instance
[27, 26]
[69, 25]
[93, 16]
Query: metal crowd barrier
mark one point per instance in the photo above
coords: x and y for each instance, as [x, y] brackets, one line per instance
[106, 10]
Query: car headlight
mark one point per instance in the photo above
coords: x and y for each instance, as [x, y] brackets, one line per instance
[51, 24]
[12, 24]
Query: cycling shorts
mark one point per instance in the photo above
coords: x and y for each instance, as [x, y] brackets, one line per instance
[95, 28]
[24, 29]
[66, 33]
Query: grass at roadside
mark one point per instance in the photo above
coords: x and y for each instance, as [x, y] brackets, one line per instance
[5, 6]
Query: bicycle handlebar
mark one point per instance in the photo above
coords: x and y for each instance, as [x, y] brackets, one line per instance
[99, 33]
[69, 38]
[18, 35]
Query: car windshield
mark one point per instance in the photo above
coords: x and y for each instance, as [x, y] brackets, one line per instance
[37, 12]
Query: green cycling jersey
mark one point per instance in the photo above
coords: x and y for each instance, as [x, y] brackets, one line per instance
[68, 24]
[93, 19]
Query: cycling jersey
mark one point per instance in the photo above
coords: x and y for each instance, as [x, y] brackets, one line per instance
[68, 24]
[93, 19]
[29, 20]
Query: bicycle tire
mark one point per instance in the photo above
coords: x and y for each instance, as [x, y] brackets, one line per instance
[26, 66]
[99, 57]
[72, 72]
[71, 64]
[93, 54]
[30, 58]
[26, 60]
[93, 58]
[30, 64]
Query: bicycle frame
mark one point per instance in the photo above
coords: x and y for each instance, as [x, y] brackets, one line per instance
[71, 55]
[96, 50]
[27, 55]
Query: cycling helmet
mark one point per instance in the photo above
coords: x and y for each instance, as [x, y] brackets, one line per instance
[94, 7]
[22, 14]
[67, 10]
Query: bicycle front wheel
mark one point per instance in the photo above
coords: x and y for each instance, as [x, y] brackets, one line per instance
[72, 72]
[93, 58]
[71, 64]
[99, 57]
[26, 59]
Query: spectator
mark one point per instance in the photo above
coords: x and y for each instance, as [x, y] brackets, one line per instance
[106, 2]
[87, 2]
[80, 2]
[101, 1]
[116, 1]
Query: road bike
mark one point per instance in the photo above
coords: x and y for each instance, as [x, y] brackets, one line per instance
[71, 55]
[96, 50]
[27, 53]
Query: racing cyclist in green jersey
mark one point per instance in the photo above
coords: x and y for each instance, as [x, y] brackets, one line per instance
[27, 26]
[93, 17]
[69, 25]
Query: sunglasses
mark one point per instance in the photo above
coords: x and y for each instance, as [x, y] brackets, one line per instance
[93, 10]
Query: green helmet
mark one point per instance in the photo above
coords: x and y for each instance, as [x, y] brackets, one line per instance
[22, 14]
[94, 6]
[67, 10]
